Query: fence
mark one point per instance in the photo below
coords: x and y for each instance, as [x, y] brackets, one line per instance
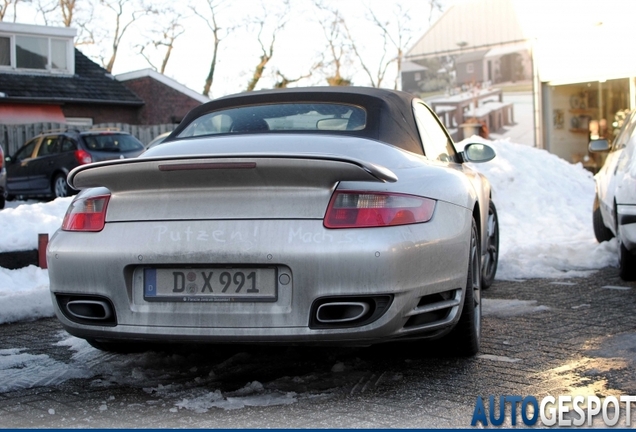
[12, 137]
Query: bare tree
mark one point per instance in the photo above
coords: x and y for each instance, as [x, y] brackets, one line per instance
[283, 81]
[4, 8]
[398, 35]
[164, 38]
[69, 13]
[45, 8]
[383, 64]
[68, 10]
[124, 18]
[332, 26]
[267, 52]
[434, 5]
[215, 8]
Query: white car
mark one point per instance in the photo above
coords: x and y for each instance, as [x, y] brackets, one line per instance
[615, 202]
[317, 215]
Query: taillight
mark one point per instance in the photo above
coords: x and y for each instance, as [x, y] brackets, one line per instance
[86, 214]
[1, 158]
[83, 157]
[349, 209]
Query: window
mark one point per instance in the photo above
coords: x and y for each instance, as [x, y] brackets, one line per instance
[279, 117]
[437, 145]
[5, 51]
[31, 52]
[470, 68]
[58, 54]
[49, 146]
[27, 151]
[36, 53]
[418, 76]
[110, 142]
[68, 145]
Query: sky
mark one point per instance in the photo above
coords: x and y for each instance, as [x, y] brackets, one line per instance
[299, 45]
[572, 26]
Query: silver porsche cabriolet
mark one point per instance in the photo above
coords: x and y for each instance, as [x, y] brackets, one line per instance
[308, 215]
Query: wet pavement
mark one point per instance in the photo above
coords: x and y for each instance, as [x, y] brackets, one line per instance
[540, 337]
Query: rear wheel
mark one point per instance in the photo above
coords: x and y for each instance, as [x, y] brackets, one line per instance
[626, 262]
[2, 201]
[491, 259]
[601, 232]
[59, 186]
[464, 339]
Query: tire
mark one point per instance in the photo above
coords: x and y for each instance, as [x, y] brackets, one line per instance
[489, 266]
[464, 339]
[118, 347]
[626, 263]
[60, 187]
[601, 232]
[2, 201]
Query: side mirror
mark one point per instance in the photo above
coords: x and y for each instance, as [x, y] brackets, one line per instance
[599, 146]
[478, 153]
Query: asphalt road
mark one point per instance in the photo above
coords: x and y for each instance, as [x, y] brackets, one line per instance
[540, 337]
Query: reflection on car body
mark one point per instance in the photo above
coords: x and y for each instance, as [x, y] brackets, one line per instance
[309, 215]
[614, 211]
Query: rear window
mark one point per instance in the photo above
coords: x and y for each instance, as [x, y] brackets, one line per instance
[279, 117]
[112, 142]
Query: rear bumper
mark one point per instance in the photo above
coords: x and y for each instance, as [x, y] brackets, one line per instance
[405, 262]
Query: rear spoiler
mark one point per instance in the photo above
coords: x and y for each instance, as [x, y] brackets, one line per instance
[226, 170]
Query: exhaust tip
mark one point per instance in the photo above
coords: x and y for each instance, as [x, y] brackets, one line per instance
[88, 310]
[341, 312]
[348, 311]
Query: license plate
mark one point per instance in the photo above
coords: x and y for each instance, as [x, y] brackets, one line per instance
[216, 284]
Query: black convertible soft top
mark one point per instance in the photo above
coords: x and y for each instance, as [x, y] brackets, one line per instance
[389, 112]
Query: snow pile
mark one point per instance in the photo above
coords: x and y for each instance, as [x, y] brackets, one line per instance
[501, 308]
[252, 394]
[24, 294]
[21, 225]
[545, 214]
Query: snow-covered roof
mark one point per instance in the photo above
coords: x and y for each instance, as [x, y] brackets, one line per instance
[142, 73]
[408, 66]
[471, 56]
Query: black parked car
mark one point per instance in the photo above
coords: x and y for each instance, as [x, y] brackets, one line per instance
[40, 167]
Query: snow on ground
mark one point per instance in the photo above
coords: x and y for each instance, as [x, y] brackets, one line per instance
[502, 308]
[22, 221]
[545, 214]
[20, 370]
[24, 294]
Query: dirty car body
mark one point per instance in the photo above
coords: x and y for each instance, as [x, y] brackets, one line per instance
[315, 215]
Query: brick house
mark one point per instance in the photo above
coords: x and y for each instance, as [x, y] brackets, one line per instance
[43, 78]
[165, 100]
